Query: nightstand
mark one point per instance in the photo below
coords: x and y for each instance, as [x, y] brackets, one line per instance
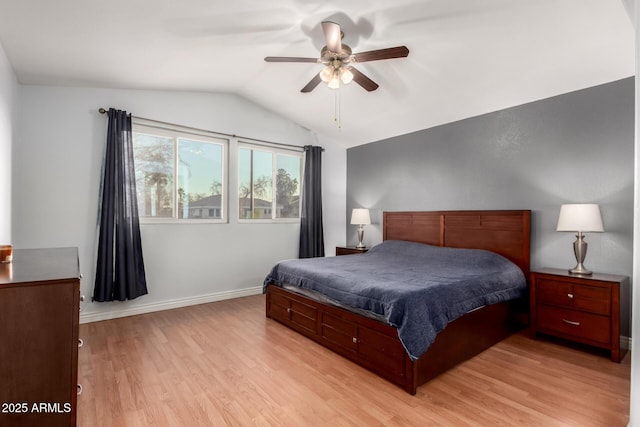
[583, 309]
[349, 250]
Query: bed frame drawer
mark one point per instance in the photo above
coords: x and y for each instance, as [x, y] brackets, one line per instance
[280, 307]
[373, 349]
[339, 331]
[294, 313]
[382, 350]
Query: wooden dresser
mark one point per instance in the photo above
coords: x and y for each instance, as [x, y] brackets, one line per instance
[584, 309]
[39, 316]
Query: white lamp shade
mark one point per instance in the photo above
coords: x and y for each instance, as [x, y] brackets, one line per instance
[580, 217]
[326, 74]
[360, 216]
[345, 75]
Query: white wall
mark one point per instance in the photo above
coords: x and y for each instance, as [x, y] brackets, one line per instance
[8, 91]
[57, 165]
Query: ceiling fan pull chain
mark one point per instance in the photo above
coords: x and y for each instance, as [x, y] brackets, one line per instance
[337, 113]
[339, 110]
[335, 107]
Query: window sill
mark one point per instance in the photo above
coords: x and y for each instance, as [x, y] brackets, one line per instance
[270, 221]
[154, 221]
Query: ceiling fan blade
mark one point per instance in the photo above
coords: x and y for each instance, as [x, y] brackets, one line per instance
[363, 80]
[376, 55]
[290, 59]
[333, 36]
[312, 84]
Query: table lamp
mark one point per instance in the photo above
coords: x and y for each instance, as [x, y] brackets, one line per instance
[360, 217]
[580, 218]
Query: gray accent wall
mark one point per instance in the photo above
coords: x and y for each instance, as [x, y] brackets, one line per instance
[573, 148]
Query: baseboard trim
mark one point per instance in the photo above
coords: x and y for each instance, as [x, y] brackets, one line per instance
[625, 342]
[168, 305]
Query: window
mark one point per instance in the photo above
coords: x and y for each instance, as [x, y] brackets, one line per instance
[179, 175]
[263, 171]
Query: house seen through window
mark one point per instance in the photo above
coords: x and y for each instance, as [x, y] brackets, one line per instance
[179, 175]
[269, 182]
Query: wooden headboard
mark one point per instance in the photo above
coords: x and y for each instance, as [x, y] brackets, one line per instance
[507, 233]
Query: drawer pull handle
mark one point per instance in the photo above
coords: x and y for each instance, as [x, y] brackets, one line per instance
[288, 310]
[80, 343]
[355, 340]
[79, 389]
[571, 323]
[570, 296]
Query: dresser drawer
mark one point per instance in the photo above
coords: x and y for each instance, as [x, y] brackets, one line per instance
[579, 324]
[592, 298]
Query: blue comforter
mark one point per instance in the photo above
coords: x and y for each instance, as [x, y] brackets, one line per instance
[417, 288]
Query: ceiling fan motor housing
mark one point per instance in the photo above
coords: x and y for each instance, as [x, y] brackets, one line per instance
[344, 56]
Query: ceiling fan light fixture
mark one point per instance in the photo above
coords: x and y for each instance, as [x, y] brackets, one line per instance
[346, 75]
[334, 82]
[326, 73]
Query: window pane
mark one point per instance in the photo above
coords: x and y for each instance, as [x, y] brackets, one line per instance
[244, 183]
[199, 179]
[269, 184]
[262, 185]
[255, 184]
[287, 186]
[153, 157]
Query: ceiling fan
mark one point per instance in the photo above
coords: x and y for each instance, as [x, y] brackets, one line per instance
[338, 59]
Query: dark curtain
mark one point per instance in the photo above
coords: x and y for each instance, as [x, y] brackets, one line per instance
[119, 268]
[311, 233]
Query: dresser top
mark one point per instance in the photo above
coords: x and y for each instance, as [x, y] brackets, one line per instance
[595, 276]
[40, 265]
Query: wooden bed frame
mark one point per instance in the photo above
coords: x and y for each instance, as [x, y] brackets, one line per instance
[375, 345]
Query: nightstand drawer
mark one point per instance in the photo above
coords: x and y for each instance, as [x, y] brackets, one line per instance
[350, 250]
[574, 323]
[594, 299]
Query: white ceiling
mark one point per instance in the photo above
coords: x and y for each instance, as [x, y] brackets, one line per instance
[467, 57]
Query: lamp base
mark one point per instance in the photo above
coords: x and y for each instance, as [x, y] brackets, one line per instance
[579, 270]
[580, 251]
[360, 245]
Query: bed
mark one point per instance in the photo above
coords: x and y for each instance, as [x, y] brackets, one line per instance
[376, 343]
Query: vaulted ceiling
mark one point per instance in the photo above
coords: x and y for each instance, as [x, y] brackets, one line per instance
[467, 57]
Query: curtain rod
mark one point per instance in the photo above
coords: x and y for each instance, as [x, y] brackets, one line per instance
[104, 111]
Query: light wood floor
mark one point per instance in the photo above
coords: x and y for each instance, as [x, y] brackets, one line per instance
[224, 363]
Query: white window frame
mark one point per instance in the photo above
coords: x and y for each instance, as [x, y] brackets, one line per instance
[274, 151]
[177, 132]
